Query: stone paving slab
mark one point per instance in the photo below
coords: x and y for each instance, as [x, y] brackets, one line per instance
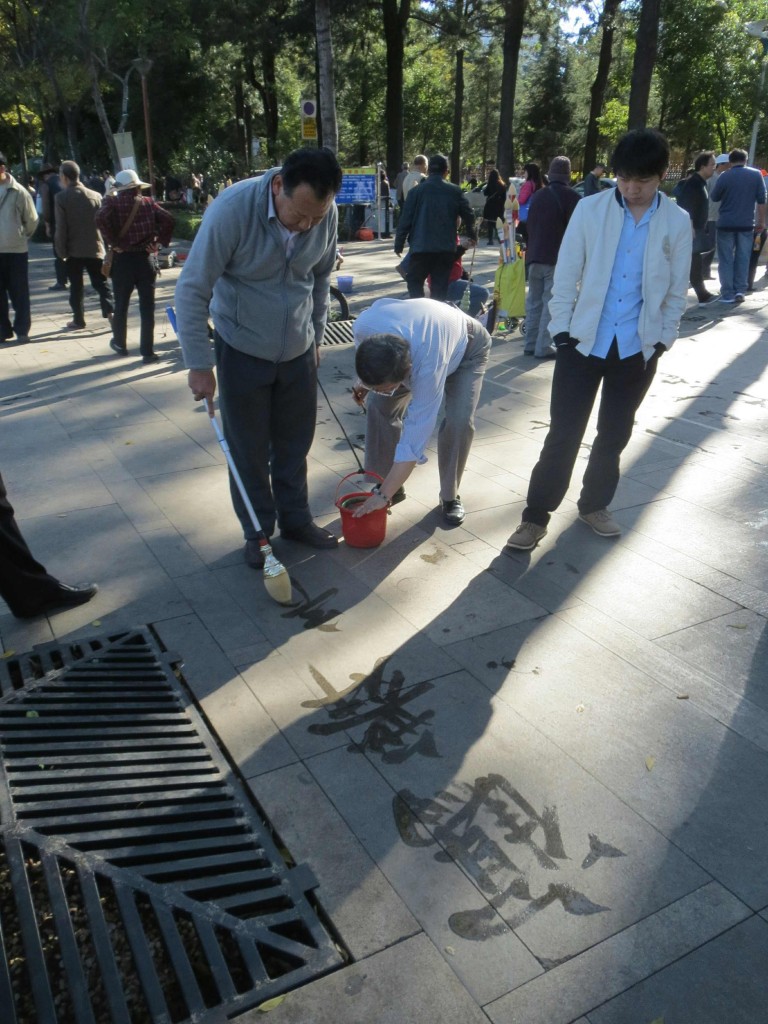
[621, 962]
[724, 980]
[408, 982]
[364, 908]
[431, 888]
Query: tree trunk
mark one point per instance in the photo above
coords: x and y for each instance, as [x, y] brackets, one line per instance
[329, 129]
[597, 91]
[101, 113]
[458, 107]
[646, 49]
[395, 26]
[267, 90]
[514, 21]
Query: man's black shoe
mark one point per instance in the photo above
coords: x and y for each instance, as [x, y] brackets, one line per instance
[63, 597]
[311, 534]
[453, 511]
[398, 496]
[253, 555]
[118, 348]
[150, 359]
[57, 288]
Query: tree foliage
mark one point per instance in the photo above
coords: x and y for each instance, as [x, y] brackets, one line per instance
[503, 80]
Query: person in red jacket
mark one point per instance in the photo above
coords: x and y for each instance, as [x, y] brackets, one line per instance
[134, 226]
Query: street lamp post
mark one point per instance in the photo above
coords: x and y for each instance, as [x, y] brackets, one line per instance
[758, 29]
[143, 66]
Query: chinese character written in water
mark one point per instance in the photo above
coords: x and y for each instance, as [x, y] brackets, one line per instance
[381, 706]
[311, 610]
[451, 823]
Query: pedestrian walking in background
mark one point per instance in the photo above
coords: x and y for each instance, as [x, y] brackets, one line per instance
[693, 197]
[529, 187]
[495, 193]
[134, 226]
[78, 242]
[592, 183]
[428, 223]
[18, 220]
[741, 192]
[50, 186]
[721, 165]
[548, 217]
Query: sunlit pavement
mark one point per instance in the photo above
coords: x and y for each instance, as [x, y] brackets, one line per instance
[532, 788]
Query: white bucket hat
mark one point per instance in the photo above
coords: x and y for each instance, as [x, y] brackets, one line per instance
[128, 179]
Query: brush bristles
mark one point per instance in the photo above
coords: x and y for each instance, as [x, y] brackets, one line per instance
[276, 578]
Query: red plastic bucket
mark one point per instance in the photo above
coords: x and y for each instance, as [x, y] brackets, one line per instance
[368, 531]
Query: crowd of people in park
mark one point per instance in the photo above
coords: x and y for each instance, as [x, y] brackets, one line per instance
[608, 272]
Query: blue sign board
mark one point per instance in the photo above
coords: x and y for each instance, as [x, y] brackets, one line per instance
[357, 186]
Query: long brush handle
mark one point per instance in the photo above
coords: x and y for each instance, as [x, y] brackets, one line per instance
[233, 470]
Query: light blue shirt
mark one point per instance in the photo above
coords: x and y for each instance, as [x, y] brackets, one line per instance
[624, 298]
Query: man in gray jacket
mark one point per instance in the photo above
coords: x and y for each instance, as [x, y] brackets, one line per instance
[78, 241]
[265, 252]
[18, 220]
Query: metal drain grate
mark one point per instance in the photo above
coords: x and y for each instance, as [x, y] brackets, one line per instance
[137, 882]
[339, 332]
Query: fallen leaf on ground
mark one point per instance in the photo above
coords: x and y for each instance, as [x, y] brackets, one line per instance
[9, 654]
[650, 762]
[579, 709]
[737, 625]
[682, 696]
[271, 1004]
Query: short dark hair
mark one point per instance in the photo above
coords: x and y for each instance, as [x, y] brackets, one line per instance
[70, 170]
[438, 164]
[317, 168]
[383, 359]
[737, 156]
[640, 153]
[703, 159]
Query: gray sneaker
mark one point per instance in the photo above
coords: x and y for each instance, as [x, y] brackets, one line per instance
[602, 522]
[526, 537]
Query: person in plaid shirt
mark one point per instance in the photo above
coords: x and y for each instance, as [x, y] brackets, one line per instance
[134, 264]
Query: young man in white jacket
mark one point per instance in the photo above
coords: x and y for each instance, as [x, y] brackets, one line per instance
[619, 291]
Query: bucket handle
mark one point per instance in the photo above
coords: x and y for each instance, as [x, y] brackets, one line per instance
[366, 472]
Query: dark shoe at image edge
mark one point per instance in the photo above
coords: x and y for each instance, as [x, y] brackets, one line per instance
[64, 597]
[311, 534]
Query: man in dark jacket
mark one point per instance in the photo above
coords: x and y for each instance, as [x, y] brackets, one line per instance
[79, 243]
[693, 197]
[428, 222]
[548, 217]
[592, 184]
